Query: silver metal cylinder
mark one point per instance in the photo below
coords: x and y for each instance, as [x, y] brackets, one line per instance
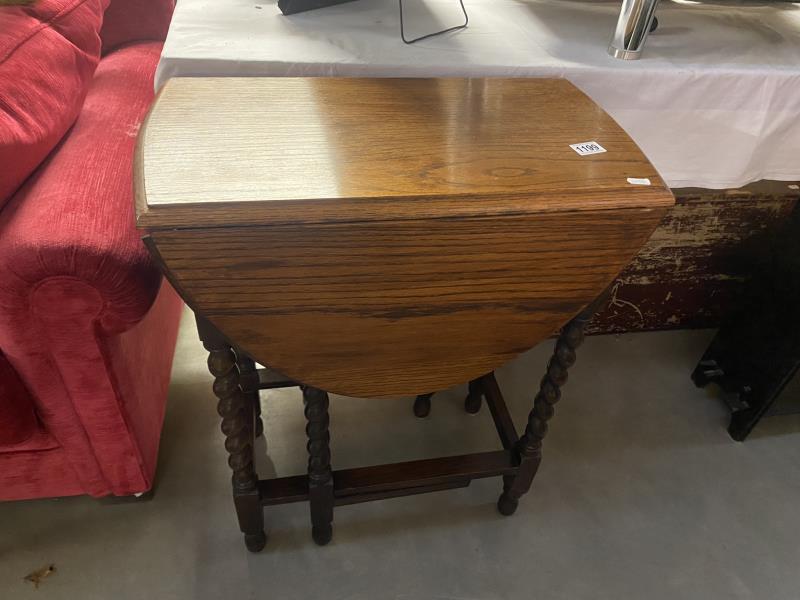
[633, 26]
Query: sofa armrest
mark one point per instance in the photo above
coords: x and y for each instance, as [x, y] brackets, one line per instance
[128, 21]
[72, 222]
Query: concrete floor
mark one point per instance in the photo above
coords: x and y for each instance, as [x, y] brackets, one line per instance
[641, 495]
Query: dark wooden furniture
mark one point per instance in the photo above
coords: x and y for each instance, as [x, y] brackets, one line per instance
[756, 352]
[379, 237]
[689, 273]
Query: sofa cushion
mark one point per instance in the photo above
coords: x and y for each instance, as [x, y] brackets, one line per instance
[129, 21]
[48, 54]
[17, 420]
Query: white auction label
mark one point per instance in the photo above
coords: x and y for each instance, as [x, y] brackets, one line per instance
[638, 181]
[586, 148]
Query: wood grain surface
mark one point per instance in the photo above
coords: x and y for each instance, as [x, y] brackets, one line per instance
[690, 273]
[226, 151]
[399, 307]
[392, 236]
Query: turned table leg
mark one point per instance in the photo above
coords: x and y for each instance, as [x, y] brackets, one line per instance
[236, 410]
[248, 365]
[529, 447]
[320, 476]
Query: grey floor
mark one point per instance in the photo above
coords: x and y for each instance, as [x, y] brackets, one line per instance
[642, 495]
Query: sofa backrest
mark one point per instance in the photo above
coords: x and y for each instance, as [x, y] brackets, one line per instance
[129, 21]
[48, 54]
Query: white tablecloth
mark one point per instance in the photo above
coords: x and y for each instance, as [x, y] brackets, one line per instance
[714, 103]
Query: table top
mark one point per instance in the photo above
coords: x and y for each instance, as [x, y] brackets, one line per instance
[223, 151]
[713, 102]
[376, 237]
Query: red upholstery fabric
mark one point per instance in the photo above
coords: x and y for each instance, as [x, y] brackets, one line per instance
[45, 473]
[48, 53]
[17, 419]
[142, 361]
[79, 320]
[71, 226]
[139, 360]
[129, 21]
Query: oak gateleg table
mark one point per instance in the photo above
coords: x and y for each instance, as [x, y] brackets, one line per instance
[382, 238]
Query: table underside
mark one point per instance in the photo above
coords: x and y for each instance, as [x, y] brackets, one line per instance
[238, 382]
[365, 484]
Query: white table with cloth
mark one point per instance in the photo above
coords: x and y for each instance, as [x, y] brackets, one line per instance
[714, 102]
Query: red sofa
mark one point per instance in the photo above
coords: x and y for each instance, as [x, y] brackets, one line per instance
[87, 325]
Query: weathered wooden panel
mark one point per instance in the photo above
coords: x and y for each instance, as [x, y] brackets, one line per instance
[690, 272]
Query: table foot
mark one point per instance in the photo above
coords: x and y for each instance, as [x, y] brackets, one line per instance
[322, 535]
[422, 405]
[255, 542]
[506, 505]
[474, 399]
[320, 475]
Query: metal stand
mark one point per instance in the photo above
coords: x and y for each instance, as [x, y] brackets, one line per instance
[634, 23]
